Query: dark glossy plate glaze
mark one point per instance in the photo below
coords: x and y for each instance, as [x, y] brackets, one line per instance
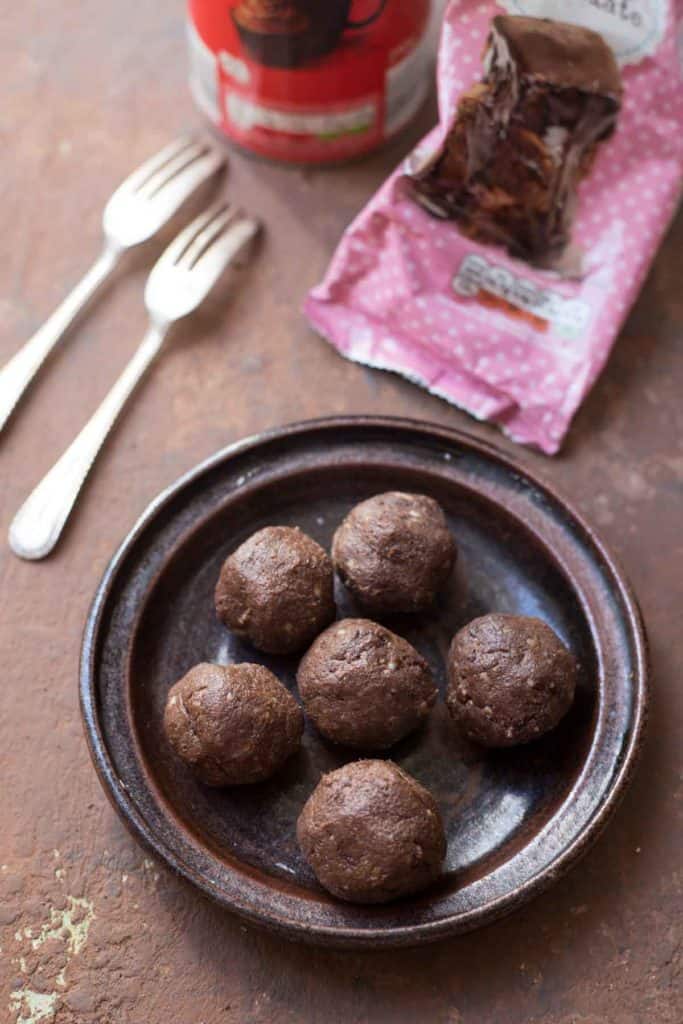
[515, 819]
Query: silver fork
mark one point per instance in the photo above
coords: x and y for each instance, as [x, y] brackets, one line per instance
[137, 211]
[177, 285]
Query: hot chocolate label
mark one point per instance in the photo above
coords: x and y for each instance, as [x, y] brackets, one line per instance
[634, 29]
[307, 82]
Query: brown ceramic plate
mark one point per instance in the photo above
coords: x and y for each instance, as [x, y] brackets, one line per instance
[515, 819]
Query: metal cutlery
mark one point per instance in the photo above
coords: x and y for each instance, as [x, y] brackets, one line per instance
[136, 212]
[179, 282]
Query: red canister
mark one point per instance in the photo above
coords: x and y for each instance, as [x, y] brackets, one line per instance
[309, 81]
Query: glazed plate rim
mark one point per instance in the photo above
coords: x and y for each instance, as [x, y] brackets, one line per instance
[349, 935]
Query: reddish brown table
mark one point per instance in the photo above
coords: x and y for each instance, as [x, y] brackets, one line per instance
[88, 90]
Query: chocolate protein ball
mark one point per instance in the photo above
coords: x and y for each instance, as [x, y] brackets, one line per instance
[372, 833]
[277, 590]
[511, 679]
[394, 552]
[232, 724]
[363, 686]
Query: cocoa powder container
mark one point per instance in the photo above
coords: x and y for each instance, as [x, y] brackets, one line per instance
[306, 81]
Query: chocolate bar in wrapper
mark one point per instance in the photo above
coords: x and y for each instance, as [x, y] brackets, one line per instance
[486, 304]
[524, 137]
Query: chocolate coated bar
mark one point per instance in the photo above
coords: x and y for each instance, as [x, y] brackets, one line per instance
[524, 137]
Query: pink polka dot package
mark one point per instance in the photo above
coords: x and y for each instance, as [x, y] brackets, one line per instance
[497, 264]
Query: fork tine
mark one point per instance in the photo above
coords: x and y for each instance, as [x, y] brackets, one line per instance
[201, 242]
[135, 180]
[181, 186]
[181, 242]
[224, 249]
[171, 168]
[175, 289]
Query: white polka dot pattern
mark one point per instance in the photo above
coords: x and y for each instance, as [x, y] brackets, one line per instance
[389, 301]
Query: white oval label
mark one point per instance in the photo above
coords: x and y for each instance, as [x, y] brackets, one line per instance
[633, 28]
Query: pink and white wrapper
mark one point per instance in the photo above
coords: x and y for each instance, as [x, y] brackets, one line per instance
[509, 343]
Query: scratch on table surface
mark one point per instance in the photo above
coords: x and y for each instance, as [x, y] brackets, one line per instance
[73, 922]
[32, 1007]
[69, 925]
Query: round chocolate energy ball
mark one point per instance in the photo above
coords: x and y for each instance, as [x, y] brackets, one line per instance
[395, 553]
[362, 686]
[510, 679]
[372, 833]
[277, 590]
[232, 724]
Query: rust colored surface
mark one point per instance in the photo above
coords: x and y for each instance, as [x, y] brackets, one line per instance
[89, 929]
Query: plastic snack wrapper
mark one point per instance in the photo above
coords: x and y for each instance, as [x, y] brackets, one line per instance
[497, 264]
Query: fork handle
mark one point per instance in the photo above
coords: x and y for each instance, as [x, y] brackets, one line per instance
[38, 524]
[18, 373]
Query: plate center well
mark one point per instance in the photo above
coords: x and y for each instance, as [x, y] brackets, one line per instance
[492, 802]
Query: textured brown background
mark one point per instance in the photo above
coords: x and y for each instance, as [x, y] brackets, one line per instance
[89, 929]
